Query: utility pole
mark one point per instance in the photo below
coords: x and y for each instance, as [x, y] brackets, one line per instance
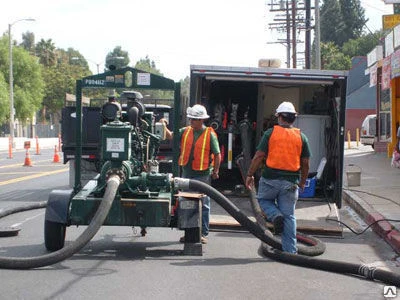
[294, 34]
[293, 18]
[308, 34]
[317, 30]
[11, 77]
[288, 29]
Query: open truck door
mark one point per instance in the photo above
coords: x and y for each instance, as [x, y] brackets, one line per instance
[242, 103]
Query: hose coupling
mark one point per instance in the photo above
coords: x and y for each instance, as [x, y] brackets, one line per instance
[181, 183]
[118, 172]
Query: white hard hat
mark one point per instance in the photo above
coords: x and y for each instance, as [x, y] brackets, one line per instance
[286, 107]
[197, 112]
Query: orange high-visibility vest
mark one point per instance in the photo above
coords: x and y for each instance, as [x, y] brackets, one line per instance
[284, 149]
[201, 151]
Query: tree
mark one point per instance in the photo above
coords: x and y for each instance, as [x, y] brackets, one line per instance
[46, 51]
[60, 79]
[341, 20]
[147, 65]
[331, 23]
[362, 45]
[28, 82]
[353, 17]
[4, 100]
[185, 87]
[117, 58]
[74, 58]
[28, 42]
[332, 58]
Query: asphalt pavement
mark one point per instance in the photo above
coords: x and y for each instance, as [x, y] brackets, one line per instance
[372, 188]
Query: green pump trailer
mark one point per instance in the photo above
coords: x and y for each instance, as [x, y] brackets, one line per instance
[127, 139]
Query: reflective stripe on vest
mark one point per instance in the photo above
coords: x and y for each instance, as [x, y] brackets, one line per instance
[201, 151]
[284, 149]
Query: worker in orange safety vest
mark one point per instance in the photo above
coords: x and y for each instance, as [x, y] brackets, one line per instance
[199, 157]
[286, 152]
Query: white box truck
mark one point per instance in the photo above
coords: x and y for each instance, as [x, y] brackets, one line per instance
[242, 101]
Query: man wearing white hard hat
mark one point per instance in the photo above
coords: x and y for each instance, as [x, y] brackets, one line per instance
[199, 144]
[286, 153]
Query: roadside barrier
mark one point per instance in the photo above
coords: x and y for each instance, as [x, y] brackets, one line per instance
[10, 144]
[59, 142]
[37, 146]
[349, 138]
[28, 162]
[56, 157]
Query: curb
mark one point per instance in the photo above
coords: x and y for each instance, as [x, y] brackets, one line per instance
[384, 229]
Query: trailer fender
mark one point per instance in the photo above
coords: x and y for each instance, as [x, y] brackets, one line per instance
[58, 206]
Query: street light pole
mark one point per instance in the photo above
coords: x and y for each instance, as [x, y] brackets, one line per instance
[11, 78]
[88, 60]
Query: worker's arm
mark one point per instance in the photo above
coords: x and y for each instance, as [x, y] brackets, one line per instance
[254, 165]
[217, 163]
[304, 168]
[168, 133]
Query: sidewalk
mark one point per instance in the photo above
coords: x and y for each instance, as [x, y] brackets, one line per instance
[378, 196]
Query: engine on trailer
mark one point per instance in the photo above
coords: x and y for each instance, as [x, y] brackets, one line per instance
[129, 147]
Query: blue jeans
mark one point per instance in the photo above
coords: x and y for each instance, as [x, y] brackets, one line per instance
[279, 197]
[205, 205]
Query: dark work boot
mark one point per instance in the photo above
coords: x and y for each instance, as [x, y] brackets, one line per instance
[278, 224]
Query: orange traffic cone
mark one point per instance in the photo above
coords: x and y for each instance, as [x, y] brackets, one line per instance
[56, 157]
[27, 162]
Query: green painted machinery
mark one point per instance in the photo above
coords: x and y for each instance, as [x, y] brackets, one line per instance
[144, 197]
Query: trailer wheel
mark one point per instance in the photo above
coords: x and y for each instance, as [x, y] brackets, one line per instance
[54, 235]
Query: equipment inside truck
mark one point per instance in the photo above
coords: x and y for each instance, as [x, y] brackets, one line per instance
[242, 104]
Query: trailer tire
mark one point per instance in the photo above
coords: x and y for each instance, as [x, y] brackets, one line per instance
[54, 235]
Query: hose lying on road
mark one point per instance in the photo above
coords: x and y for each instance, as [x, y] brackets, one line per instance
[263, 234]
[318, 246]
[72, 248]
[30, 206]
[300, 260]
[256, 229]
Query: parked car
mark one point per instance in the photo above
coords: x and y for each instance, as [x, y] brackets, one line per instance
[368, 130]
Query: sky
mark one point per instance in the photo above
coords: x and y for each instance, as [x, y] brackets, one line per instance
[173, 33]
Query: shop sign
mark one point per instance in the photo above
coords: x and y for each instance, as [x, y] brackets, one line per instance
[373, 75]
[389, 44]
[386, 66]
[389, 21]
[395, 64]
[375, 55]
[396, 36]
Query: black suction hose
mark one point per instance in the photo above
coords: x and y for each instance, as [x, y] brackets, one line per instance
[317, 248]
[371, 273]
[30, 206]
[69, 250]
[263, 234]
[367, 272]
